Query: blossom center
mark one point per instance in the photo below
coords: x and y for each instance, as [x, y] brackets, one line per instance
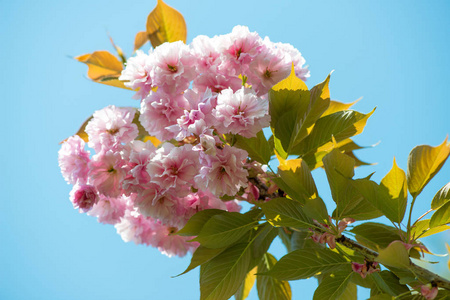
[172, 68]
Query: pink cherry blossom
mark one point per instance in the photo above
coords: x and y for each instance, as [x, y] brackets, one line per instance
[136, 74]
[83, 197]
[136, 228]
[241, 113]
[106, 173]
[171, 244]
[73, 160]
[224, 173]
[109, 210]
[110, 127]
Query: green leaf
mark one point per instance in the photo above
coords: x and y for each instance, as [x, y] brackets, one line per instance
[441, 216]
[197, 221]
[375, 235]
[261, 243]
[247, 285]
[201, 256]
[165, 24]
[301, 264]
[395, 184]
[295, 179]
[258, 147]
[395, 255]
[316, 209]
[378, 197]
[381, 297]
[422, 229]
[333, 286]
[286, 99]
[307, 116]
[222, 276]
[387, 282]
[268, 287]
[286, 212]
[224, 229]
[423, 163]
[349, 201]
[441, 197]
[341, 125]
[350, 292]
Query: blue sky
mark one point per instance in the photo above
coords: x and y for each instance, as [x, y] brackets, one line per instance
[392, 53]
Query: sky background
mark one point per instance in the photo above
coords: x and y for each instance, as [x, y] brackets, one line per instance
[392, 53]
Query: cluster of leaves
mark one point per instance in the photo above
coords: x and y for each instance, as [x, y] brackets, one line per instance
[305, 123]
[318, 132]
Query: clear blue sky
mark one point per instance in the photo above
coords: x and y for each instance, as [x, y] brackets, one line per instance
[393, 53]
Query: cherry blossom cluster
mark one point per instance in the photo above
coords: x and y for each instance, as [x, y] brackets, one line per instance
[191, 97]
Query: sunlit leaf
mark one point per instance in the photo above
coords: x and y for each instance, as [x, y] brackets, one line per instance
[332, 287]
[441, 216]
[140, 40]
[336, 106]
[197, 221]
[268, 287]
[349, 201]
[395, 255]
[82, 131]
[201, 256]
[441, 197]
[103, 68]
[247, 285]
[286, 212]
[224, 229]
[422, 229]
[301, 264]
[165, 24]
[118, 50]
[341, 125]
[395, 184]
[423, 163]
[295, 179]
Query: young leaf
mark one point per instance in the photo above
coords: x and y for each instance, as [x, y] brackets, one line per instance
[285, 212]
[332, 287]
[222, 276]
[422, 229]
[395, 184]
[349, 201]
[441, 197]
[341, 125]
[296, 179]
[165, 24]
[140, 40]
[103, 68]
[268, 287]
[301, 264]
[375, 235]
[201, 256]
[258, 147]
[423, 163]
[224, 229]
[336, 106]
[197, 221]
[441, 216]
[247, 285]
[395, 255]
[350, 292]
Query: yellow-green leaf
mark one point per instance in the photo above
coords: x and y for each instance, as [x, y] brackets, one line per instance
[441, 197]
[337, 106]
[247, 285]
[441, 216]
[333, 286]
[268, 287]
[395, 184]
[423, 163]
[395, 255]
[104, 68]
[140, 39]
[165, 24]
[422, 229]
